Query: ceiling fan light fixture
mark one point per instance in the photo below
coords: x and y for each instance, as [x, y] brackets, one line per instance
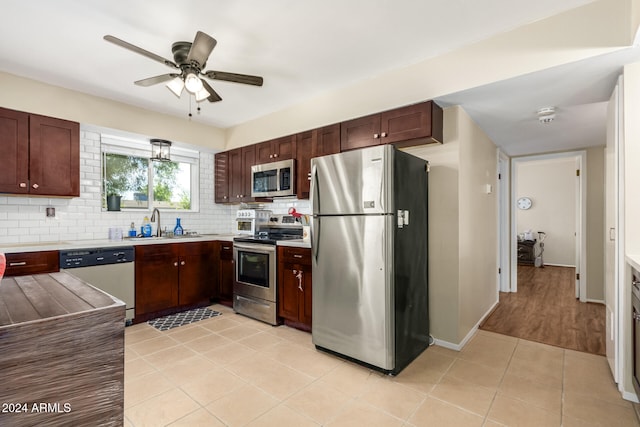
[176, 86]
[202, 95]
[192, 83]
[160, 150]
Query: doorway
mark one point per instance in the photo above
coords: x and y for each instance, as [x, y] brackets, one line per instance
[555, 185]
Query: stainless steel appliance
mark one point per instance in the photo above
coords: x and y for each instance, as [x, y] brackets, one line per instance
[108, 269]
[369, 256]
[273, 179]
[635, 303]
[249, 220]
[254, 289]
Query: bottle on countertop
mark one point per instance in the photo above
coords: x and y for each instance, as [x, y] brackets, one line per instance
[132, 230]
[146, 227]
[178, 230]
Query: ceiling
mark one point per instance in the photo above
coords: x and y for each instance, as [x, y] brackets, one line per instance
[303, 49]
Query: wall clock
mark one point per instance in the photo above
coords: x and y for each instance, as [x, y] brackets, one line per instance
[524, 203]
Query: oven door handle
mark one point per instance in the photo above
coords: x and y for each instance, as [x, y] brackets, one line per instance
[259, 248]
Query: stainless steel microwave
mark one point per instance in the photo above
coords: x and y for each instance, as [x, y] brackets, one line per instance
[273, 179]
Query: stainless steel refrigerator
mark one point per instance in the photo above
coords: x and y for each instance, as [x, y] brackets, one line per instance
[370, 257]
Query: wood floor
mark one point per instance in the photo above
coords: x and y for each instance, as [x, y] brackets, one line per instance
[545, 310]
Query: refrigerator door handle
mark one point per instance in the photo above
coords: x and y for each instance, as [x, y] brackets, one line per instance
[314, 196]
[315, 232]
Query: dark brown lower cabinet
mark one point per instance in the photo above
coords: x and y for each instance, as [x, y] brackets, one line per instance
[173, 276]
[294, 286]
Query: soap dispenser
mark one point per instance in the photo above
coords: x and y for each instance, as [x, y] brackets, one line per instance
[178, 230]
[146, 227]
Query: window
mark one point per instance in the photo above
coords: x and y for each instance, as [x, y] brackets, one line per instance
[142, 183]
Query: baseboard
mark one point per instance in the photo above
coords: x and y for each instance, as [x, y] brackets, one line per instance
[631, 397]
[596, 301]
[558, 265]
[470, 334]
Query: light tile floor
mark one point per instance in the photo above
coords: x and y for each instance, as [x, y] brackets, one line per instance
[234, 371]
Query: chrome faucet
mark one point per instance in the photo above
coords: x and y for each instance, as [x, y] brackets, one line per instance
[153, 219]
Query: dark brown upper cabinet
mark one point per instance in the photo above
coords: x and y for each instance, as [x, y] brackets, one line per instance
[42, 155]
[411, 125]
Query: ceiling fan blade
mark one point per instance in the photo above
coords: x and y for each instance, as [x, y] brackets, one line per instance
[139, 50]
[234, 77]
[201, 48]
[155, 80]
[213, 95]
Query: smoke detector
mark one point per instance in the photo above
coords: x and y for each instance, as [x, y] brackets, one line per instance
[546, 114]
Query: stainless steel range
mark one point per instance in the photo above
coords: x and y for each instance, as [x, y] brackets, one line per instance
[254, 289]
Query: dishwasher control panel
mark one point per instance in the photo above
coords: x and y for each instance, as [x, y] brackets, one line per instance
[96, 256]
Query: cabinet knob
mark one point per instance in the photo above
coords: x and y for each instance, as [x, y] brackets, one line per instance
[35, 186]
[376, 136]
[23, 185]
[175, 264]
[275, 156]
[182, 263]
[384, 134]
[271, 156]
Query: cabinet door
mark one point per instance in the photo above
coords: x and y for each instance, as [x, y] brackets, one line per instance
[276, 149]
[226, 274]
[197, 272]
[359, 133]
[54, 156]
[326, 141]
[304, 148]
[235, 174]
[288, 291]
[264, 152]
[14, 140]
[284, 148]
[221, 177]
[414, 122]
[157, 276]
[248, 160]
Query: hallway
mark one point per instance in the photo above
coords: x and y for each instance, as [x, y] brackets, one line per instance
[545, 310]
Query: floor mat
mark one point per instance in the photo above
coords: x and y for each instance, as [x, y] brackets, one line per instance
[186, 317]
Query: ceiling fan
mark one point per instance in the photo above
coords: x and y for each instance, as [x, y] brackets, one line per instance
[190, 59]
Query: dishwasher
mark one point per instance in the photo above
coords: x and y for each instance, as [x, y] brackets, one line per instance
[109, 269]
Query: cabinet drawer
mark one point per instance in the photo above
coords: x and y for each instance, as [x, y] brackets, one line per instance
[226, 250]
[21, 264]
[295, 255]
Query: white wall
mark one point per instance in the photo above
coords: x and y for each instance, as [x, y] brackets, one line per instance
[551, 185]
[463, 262]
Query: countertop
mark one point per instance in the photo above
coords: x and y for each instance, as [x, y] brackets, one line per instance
[634, 260]
[295, 243]
[44, 296]
[105, 243]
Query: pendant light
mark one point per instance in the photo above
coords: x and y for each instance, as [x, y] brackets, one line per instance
[160, 150]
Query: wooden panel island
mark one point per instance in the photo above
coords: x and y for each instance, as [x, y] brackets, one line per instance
[61, 353]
